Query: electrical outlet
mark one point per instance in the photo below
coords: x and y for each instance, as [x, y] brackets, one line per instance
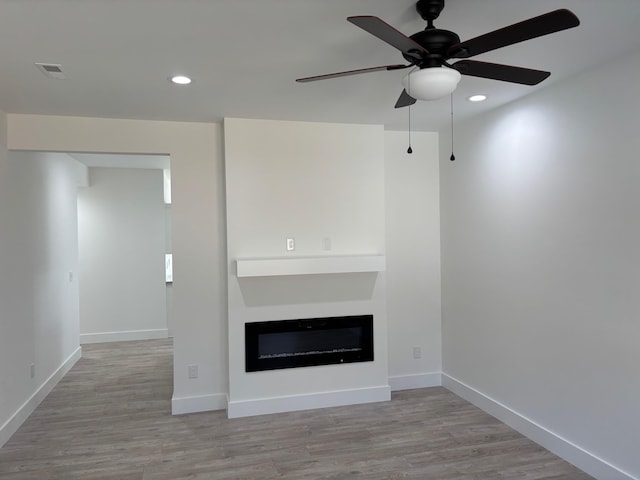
[291, 244]
[417, 352]
[192, 371]
[326, 243]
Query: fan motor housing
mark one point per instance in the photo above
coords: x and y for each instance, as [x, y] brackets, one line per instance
[437, 42]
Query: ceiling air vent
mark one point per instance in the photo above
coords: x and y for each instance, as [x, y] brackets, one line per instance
[51, 70]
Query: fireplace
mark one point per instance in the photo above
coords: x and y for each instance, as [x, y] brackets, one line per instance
[308, 342]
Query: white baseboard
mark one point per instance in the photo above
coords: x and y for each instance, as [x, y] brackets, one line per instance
[11, 426]
[104, 337]
[417, 380]
[292, 403]
[199, 403]
[553, 442]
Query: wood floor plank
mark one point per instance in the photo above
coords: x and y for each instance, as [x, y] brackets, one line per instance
[110, 419]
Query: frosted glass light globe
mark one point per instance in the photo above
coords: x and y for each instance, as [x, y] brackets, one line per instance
[431, 83]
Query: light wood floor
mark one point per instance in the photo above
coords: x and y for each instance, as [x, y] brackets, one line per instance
[110, 418]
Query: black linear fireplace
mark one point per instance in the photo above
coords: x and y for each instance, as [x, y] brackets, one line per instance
[307, 342]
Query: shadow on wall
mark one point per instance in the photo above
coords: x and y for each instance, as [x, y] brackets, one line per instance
[307, 289]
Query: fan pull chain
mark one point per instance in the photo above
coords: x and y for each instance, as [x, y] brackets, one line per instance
[452, 157]
[409, 150]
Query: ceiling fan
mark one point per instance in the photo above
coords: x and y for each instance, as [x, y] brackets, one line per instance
[430, 50]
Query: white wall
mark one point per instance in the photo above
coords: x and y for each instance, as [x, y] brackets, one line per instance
[412, 201]
[121, 234]
[541, 264]
[199, 241]
[199, 245]
[309, 181]
[38, 278]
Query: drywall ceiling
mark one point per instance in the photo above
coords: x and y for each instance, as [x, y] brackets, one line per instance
[161, 162]
[245, 54]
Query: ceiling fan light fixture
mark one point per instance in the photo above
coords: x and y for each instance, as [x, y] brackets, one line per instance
[431, 83]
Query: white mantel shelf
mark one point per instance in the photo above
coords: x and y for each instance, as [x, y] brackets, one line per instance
[269, 267]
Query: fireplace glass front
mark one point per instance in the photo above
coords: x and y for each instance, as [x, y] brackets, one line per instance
[307, 342]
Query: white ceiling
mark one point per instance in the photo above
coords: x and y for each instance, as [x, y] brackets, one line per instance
[245, 54]
[160, 162]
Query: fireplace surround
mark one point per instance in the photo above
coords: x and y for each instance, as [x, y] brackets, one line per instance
[279, 344]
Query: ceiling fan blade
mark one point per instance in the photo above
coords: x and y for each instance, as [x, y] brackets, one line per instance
[388, 34]
[518, 32]
[496, 71]
[351, 72]
[405, 100]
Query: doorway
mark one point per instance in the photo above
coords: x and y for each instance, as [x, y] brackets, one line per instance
[124, 235]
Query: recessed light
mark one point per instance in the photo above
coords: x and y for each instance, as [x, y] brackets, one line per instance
[477, 98]
[180, 80]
